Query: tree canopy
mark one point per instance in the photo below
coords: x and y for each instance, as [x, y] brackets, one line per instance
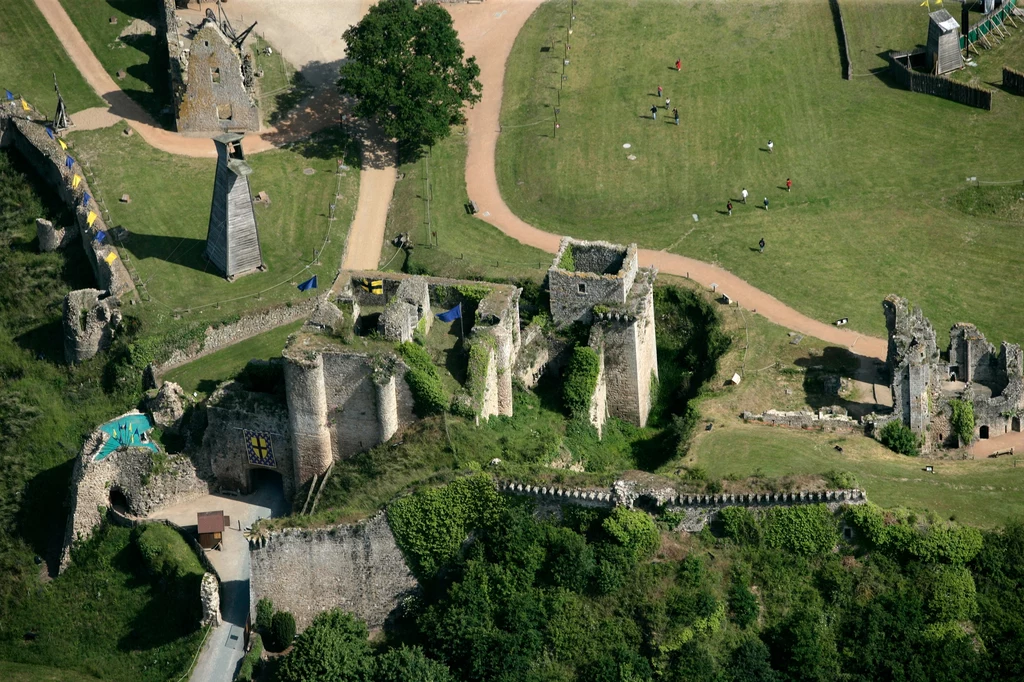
[407, 69]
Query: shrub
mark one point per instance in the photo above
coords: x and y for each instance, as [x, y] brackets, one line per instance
[282, 630]
[428, 392]
[898, 437]
[410, 664]
[334, 647]
[840, 479]
[942, 542]
[951, 595]
[742, 602]
[808, 530]
[251, 660]
[580, 380]
[740, 524]
[634, 530]
[264, 614]
[962, 419]
[567, 261]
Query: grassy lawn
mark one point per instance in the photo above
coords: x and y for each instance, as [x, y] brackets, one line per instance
[169, 216]
[104, 617]
[281, 87]
[466, 246]
[873, 167]
[30, 55]
[142, 57]
[203, 375]
[20, 672]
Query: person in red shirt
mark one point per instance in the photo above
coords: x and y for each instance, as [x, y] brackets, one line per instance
[789, 185]
[679, 65]
[728, 207]
[659, 92]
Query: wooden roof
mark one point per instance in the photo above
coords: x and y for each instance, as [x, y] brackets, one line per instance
[211, 522]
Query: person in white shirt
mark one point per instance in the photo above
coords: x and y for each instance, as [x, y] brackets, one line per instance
[744, 195]
[771, 146]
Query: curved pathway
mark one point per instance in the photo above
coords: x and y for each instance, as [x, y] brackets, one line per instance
[488, 31]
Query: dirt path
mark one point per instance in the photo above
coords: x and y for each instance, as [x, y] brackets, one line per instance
[488, 31]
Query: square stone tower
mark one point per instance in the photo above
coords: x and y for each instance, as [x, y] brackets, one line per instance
[602, 285]
[232, 240]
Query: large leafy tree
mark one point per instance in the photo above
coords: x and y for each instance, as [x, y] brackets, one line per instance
[334, 648]
[407, 69]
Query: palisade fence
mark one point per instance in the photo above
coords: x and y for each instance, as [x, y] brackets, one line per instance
[901, 68]
[991, 23]
[1013, 80]
[844, 44]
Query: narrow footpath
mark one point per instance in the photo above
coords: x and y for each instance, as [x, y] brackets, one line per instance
[488, 31]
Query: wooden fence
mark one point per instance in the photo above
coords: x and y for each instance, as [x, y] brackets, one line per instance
[1013, 81]
[901, 69]
[844, 44]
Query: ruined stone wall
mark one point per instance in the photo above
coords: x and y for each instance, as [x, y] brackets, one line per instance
[216, 99]
[356, 567]
[307, 415]
[51, 238]
[489, 404]
[629, 393]
[912, 357]
[131, 471]
[230, 410]
[351, 397]
[598, 411]
[170, 27]
[89, 323]
[604, 274]
[830, 419]
[47, 157]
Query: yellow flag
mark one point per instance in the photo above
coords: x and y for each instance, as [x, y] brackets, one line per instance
[91, 219]
[110, 257]
[63, 144]
[24, 105]
[75, 181]
[938, 2]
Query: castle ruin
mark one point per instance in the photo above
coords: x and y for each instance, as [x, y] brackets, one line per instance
[924, 380]
[601, 285]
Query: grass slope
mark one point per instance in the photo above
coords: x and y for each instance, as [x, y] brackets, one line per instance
[465, 246]
[872, 166]
[203, 375]
[169, 216]
[29, 56]
[21, 672]
[142, 57]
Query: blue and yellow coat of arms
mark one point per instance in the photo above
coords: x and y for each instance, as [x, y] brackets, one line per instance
[259, 449]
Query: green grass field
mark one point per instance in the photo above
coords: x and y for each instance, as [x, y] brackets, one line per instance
[20, 672]
[142, 57]
[204, 374]
[873, 167]
[30, 55]
[465, 246]
[169, 216]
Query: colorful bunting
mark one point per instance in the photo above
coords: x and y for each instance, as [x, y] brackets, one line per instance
[24, 105]
[91, 218]
[110, 257]
[75, 181]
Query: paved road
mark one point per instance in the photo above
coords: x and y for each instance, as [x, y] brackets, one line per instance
[224, 647]
[488, 31]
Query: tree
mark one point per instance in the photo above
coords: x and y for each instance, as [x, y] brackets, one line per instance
[282, 630]
[634, 530]
[264, 614]
[406, 68]
[898, 437]
[334, 648]
[409, 664]
[749, 663]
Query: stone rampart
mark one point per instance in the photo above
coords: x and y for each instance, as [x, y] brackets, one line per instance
[356, 567]
[250, 325]
[47, 157]
[89, 323]
[134, 474]
[830, 419]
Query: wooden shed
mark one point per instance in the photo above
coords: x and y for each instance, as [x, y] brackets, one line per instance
[943, 43]
[211, 528]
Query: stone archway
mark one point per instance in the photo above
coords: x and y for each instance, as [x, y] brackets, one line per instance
[983, 432]
[119, 501]
[1015, 424]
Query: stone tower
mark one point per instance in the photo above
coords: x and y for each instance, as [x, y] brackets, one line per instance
[232, 241]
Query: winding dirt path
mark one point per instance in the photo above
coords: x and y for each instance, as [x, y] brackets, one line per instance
[488, 31]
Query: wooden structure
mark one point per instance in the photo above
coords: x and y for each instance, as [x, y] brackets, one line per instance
[211, 528]
[232, 240]
[943, 43]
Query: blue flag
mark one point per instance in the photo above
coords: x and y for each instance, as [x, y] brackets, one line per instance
[69, 162]
[85, 199]
[100, 236]
[451, 315]
[10, 95]
[308, 284]
[49, 133]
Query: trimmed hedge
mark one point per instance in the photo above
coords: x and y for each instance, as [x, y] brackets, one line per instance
[251, 661]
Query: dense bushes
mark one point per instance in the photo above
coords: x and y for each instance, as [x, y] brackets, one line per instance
[282, 630]
[634, 530]
[579, 381]
[428, 392]
[251, 660]
[898, 437]
[898, 535]
[334, 648]
[962, 419]
[806, 529]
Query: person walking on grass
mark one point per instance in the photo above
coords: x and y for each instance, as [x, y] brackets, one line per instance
[728, 207]
[789, 185]
[654, 112]
[679, 65]
[743, 195]
[761, 244]
[771, 146]
[659, 92]
[766, 203]
[675, 114]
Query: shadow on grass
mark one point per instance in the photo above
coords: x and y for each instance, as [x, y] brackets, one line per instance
[45, 342]
[42, 516]
[329, 143]
[823, 379]
[185, 251]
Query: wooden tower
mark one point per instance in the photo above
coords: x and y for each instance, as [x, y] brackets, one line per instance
[232, 241]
